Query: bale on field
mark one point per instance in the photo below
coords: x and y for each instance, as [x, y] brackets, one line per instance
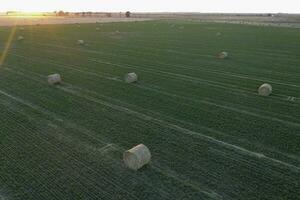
[54, 79]
[80, 42]
[131, 77]
[97, 29]
[223, 55]
[22, 28]
[265, 89]
[137, 157]
[20, 38]
[218, 34]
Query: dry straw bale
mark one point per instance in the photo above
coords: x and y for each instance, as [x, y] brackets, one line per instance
[223, 55]
[265, 89]
[137, 157]
[131, 77]
[20, 38]
[54, 79]
[80, 42]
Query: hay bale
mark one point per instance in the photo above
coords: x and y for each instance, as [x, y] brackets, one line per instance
[218, 34]
[80, 42]
[265, 89]
[223, 55]
[137, 157]
[131, 77]
[20, 38]
[22, 28]
[97, 29]
[54, 79]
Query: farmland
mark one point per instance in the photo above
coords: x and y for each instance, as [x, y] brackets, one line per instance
[211, 136]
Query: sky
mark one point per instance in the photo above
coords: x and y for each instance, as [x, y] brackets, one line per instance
[227, 6]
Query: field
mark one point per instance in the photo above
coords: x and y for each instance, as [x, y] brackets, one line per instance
[211, 136]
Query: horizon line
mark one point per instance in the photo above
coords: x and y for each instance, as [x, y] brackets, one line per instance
[191, 12]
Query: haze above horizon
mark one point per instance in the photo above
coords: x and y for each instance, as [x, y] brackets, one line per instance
[220, 6]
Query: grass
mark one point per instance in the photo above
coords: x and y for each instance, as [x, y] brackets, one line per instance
[210, 134]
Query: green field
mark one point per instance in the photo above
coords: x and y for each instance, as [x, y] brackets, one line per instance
[211, 136]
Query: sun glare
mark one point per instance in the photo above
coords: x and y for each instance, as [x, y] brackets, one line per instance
[25, 14]
[7, 45]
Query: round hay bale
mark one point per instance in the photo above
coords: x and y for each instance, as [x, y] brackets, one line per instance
[22, 28]
[54, 79]
[265, 89]
[223, 55]
[131, 77]
[80, 42]
[97, 29]
[218, 34]
[137, 157]
[20, 38]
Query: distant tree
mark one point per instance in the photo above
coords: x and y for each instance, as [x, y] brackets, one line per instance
[11, 12]
[127, 14]
[61, 13]
[108, 14]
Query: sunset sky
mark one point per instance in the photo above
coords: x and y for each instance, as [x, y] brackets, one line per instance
[247, 6]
